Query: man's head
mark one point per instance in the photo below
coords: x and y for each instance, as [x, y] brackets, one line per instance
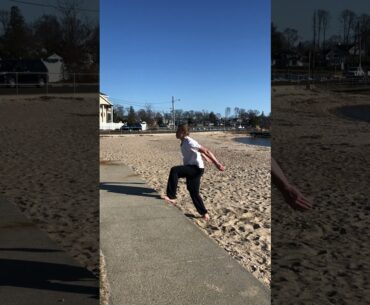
[182, 131]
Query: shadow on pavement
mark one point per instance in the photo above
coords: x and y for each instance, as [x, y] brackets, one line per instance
[189, 215]
[47, 276]
[129, 190]
[30, 250]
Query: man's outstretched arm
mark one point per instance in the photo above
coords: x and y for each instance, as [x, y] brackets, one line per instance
[209, 156]
[291, 194]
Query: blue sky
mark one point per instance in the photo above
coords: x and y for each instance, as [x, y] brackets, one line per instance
[210, 54]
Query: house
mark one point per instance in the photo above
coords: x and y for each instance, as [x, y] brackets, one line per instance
[288, 58]
[355, 50]
[106, 114]
[338, 55]
[106, 109]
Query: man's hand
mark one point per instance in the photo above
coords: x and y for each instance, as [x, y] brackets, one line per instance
[295, 199]
[220, 167]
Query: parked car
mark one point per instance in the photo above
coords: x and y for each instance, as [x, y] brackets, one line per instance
[355, 72]
[163, 126]
[136, 126]
[24, 72]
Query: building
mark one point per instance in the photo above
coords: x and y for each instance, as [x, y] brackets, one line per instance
[105, 112]
[55, 65]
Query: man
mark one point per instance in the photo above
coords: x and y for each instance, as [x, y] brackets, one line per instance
[192, 170]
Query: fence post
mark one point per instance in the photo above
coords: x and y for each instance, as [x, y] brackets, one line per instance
[47, 83]
[16, 82]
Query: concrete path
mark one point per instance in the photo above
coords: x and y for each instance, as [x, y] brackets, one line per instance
[156, 256]
[34, 270]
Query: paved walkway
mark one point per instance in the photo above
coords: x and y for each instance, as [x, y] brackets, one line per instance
[34, 270]
[156, 256]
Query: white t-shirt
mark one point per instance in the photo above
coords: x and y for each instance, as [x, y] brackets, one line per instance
[190, 152]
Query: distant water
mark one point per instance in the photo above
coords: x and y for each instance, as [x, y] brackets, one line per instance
[360, 112]
[255, 141]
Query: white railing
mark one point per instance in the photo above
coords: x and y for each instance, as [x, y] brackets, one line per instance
[110, 126]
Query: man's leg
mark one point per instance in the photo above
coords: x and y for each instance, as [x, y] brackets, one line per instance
[173, 179]
[193, 186]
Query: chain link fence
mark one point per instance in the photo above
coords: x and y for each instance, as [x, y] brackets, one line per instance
[323, 80]
[20, 83]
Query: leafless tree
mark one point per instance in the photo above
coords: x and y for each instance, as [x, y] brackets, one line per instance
[319, 25]
[322, 23]
[227, 112]
[236, 112]
[314, 27]
[291, 36]
[76, 36]
[325, 24]
[72, 27]
[348, 20]
[4, 19]
[364, 21]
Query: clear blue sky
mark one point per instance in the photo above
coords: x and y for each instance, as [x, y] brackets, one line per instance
[210, 54]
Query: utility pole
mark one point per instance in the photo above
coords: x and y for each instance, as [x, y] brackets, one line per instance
[359, 42]
[173, 112]
[225, 121]
[308, 85]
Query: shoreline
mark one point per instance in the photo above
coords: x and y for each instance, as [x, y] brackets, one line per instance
[353, 112]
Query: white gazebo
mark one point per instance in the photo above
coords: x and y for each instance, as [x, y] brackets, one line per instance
[55, 65]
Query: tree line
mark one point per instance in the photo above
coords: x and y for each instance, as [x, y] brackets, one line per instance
[354, 30]
[66, 33]
[239, 117]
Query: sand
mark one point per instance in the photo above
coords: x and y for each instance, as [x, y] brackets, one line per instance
[49, 156]
[320, 256]
[238, 199]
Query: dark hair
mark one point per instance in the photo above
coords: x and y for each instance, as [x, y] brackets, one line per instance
[185, 128]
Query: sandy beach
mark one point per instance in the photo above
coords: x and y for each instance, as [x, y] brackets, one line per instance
[319, 257]
[238, 199]
[50, 168]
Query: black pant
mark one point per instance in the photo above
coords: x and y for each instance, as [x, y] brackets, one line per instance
[192, 173]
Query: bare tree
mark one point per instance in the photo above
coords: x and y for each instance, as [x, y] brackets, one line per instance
[364, 21]
[314, 26]
[325, 24]
[236, 112]
[348, 20]
[227, 112]
[322, 23]
[334, 40]
[4, 19]
[75, 35]
[291, 36]
[319, 25]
